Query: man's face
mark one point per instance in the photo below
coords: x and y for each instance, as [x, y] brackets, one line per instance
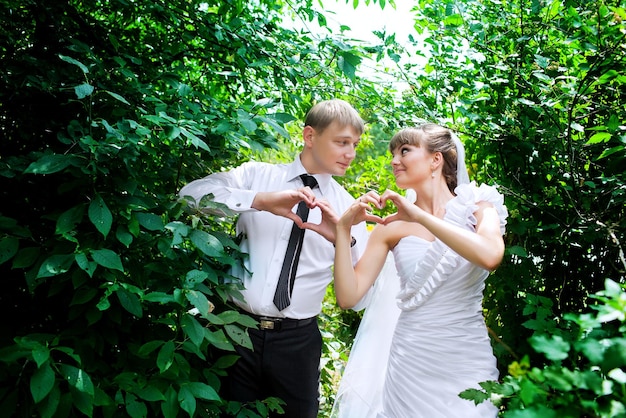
[331, 150]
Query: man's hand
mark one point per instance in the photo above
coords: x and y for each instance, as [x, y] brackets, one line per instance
[282, 202]
[328, 226]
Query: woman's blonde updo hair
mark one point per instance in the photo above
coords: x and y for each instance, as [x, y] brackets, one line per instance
[434, 138]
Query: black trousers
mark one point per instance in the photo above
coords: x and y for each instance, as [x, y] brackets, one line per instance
[284, 364]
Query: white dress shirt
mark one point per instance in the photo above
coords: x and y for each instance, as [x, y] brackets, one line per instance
[265, 235]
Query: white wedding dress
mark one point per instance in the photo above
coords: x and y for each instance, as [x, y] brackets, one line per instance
[439, 346]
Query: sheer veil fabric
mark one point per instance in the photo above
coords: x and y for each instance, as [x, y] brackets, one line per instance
[360, 393]
[360, 390]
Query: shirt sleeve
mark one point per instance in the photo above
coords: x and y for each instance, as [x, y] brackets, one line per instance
[231, 188]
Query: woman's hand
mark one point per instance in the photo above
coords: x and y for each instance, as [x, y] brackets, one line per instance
[407, 211]
[360, 210]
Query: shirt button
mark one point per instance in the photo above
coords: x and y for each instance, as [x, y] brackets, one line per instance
[238, 204]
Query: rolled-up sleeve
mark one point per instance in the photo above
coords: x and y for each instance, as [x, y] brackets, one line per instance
[229, 188]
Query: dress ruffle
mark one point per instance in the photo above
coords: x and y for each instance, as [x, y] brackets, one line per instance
[440, 261]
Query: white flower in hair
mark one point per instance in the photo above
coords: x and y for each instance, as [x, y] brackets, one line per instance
[410, 195]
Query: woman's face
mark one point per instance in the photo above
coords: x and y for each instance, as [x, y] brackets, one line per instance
[411, 165]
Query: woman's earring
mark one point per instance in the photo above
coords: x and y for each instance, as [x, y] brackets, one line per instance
[432, 174]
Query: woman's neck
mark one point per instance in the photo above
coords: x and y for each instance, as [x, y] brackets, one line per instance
[434, 199]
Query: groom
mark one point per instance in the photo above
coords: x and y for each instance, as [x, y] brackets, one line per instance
[285, 358]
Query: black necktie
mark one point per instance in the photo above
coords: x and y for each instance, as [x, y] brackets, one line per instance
[282, 297]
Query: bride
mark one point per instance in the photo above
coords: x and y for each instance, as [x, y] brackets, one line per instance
[423, 339]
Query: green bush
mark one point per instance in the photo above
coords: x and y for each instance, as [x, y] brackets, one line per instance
[585, 363]
[106, 110]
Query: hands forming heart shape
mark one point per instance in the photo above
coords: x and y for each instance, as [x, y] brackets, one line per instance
[281, 203]
[359, 211]
[406, 210]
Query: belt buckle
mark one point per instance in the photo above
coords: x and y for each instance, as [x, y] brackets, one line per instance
[266, 323]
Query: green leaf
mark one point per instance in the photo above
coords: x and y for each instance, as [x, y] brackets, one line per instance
[618, 375]
[225, 362]
[77, 378]
[195, 277]
[206, 243]
[101, 398]
[453, 20]
[55, 265]
[197, 142]
[100, 215]
[277, 127]
[187, 401]
[475, 395]
[134, 407]
[150, 393]
[203, 391]
[172, 132]
[83, 90]
[219, 340]
[8, 248]
[615, 355]
[541, 61]
[83, 262]
[348, 63]
[199, 301]
[160, 297]
[51, 163]
[71, 60]
[554, 347]
[49, 406]
[170, 408]
[611, 151]
[193, 329]
[40, 354]
[517, 250]
[42, 382]
[238, 335]
[82, 401]
[608, 76]
[107, 258]
[130, 302]
[526, 102]
[165, 358]
[83, 295]
[69, 219]
[228, 317]
[123, 236]
[26, 257]
[246, 121]
[118, 97]
[598, 138]
[149, 347]
[150, 221]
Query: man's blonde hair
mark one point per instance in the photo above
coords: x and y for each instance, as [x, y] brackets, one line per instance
[320, 116]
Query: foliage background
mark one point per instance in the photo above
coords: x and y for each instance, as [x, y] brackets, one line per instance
[107, 108]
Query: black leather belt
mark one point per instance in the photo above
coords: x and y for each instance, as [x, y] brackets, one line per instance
[268, 323]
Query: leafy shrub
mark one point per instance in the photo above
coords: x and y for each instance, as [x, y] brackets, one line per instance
[106, 109]
[584, 374]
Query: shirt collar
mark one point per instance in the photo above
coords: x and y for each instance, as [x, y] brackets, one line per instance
[295, 169]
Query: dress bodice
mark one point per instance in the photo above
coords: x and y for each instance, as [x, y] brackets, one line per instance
[426, 267]
[407, 253]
